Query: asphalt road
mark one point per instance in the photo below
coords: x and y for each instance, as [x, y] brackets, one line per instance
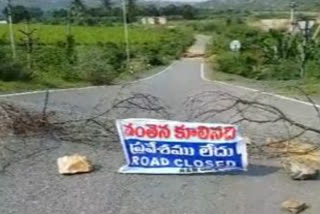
[33, 186]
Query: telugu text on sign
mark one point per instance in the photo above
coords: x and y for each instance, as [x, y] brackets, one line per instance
[170, 147]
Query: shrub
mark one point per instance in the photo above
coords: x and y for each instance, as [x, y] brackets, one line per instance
[114, 54]
[12, 71]
[264, 55]
[99, 73]
[233, 64]
[49, 59]
[94, 67]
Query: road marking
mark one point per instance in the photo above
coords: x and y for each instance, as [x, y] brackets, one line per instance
[50, 90]
[203, 77]
[85, 88]
[155, 75]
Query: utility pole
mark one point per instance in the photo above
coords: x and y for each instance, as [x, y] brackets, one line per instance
[126, 33]
[69, 19]
[293, 7]
[11, 33]
[69, 22]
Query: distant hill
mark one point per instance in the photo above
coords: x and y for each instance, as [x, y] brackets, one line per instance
[56, 4]
[217, 4]
[259, 4]
[47, 4]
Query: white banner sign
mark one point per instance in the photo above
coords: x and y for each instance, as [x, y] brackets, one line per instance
[170, 147]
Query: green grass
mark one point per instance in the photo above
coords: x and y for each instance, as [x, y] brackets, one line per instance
[51, 34]
[53, 83]
[94, 63]
[287, 88]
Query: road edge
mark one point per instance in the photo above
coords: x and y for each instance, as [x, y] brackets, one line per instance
[204, 78]
[88, 87]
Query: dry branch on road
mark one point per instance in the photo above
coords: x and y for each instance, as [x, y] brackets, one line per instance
[21, 125]
[22, 128]
[226, 107]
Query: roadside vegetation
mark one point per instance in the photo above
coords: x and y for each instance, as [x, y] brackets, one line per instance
[91, 55]
[265, 56]
[82, 44]
[73, 51]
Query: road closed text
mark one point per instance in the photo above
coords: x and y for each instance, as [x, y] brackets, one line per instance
[180, 163]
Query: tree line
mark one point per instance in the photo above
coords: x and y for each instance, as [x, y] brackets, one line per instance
[108, 10]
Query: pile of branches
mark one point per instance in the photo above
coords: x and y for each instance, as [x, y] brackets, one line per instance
[25, 133]
[99, 129]
[217, 106]
[16, 120]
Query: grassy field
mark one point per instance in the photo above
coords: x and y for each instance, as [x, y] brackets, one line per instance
[51, 34]
[95, 55]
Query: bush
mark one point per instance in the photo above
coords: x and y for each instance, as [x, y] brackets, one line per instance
[114, 54]
[99, 73]
[94, 67]
[12, 71]
[264, 55]
[230, 63]
[138, 65]
[49, 59]
[313, 69]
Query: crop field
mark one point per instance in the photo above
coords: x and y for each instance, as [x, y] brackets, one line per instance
[51, 34]
[93, 55]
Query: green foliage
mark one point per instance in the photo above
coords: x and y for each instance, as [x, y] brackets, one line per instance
[10, 71]
[264, 55]
[132, 10]
[114, 55]
[21, 13]
[67, 59]
[49, 59]
[70, 49]
[188, 12]
[52, 34]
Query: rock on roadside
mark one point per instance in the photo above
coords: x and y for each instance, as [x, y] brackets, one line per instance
[75, 164]
[294, 206]
[301, 169]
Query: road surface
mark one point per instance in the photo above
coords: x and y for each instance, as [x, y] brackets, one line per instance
[33, 186]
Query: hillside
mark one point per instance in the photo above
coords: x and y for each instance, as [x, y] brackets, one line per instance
[259, 4]
[48, 4]
[216, 4]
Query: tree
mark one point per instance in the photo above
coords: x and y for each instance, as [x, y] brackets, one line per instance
[19, 13]
[78, 5]
[35, 12]
[132, 10]
[170, 10]
[77, 8]
[188, 12]
[29, 42]
[151, 10]
[97, 12]
[77, 11]
[61, 13]
[107, 4]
